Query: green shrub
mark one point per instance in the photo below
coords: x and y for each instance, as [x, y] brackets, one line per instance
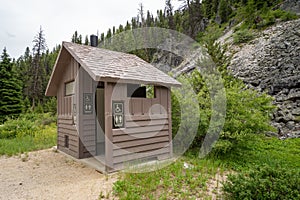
[264, 182]
[242, 36]
[43, 137]
[284, 15]
[28, 132]
[20, 127]
[25, 124]
[247, 113]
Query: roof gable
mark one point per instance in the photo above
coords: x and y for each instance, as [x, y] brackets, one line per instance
[106, 65]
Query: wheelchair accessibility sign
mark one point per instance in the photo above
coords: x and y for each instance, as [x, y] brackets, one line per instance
[118, 114]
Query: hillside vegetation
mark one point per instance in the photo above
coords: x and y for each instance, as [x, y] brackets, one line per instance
[261, 167]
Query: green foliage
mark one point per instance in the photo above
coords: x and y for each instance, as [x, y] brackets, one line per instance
[76, 38]
[173, 182]
[285, 15]
[242, 36]
[185, 115]
[256, 152]
[264, 182]
[259, 14]
[247, 112]
[269, 17]
[224, 11]
[25, 125]
[17, 128]
[10, 89]
[212, 33]
[28, 132]
[50, 106]
[44, 137]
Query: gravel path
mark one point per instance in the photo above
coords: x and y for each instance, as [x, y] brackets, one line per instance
[47, 174]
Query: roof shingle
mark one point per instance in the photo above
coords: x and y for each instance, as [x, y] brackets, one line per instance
[103, 63]
[106, 65]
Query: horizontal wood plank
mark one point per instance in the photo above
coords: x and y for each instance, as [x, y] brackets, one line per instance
[67, 117]
[69, 127]
[67, 131]
[129, 118]
[141, 142]
[123, 138]
[138, 149]
[142, 123]
[146, 129]
[65, 121]
[136, 156]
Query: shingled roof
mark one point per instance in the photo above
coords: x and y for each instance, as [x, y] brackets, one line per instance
[106, 65]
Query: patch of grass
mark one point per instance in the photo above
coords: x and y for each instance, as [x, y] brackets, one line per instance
[176, 182]
[259, 150]
[242, 36]
[43, 137]
[264, 182]
[172, 182]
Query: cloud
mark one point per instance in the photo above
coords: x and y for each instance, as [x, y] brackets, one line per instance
[10, 35]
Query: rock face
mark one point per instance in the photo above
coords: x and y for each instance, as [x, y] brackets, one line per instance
[272, 63]
[291, 5]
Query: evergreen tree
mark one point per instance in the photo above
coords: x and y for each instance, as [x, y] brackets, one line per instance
[77, 38]
[10, 89]
[207, 4]
[114, 30]
[141, 14]
[128, 26]
[224, 11]
[169, 10]
[86, 41]
[102, 37]
[109, 34]
[23, 67]
[37, 72]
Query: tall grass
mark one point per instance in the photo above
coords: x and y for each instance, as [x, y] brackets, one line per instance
[26, 133]
[177, 182]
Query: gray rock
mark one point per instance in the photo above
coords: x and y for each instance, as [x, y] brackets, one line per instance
[292, 6]
[296, 111]
[271, 63]
[290, 125]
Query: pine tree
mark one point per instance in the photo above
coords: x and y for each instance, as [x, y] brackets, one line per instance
[10, 89]
[77, 38]
[169, 10]
[23, 67]
[224, 11]
[141, 14]
[207, 4]
[128, 26]
[37, 72]
[86, 41]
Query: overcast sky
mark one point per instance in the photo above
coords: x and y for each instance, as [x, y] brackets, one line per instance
[20, 19]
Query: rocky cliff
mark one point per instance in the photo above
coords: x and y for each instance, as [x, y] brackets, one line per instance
[272, 63]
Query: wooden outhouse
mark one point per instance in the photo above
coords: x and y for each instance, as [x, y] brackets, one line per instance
[111, 105]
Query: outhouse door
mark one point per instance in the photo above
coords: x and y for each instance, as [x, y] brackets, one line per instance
[100, 121]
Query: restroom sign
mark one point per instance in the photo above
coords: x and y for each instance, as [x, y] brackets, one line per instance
[118, 114]
[87, 103]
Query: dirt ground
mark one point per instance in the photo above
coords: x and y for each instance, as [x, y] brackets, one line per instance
[47, 174]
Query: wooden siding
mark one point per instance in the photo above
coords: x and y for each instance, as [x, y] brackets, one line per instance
[108, 90]
[86, 122]
[147, 128]
[66, 126]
